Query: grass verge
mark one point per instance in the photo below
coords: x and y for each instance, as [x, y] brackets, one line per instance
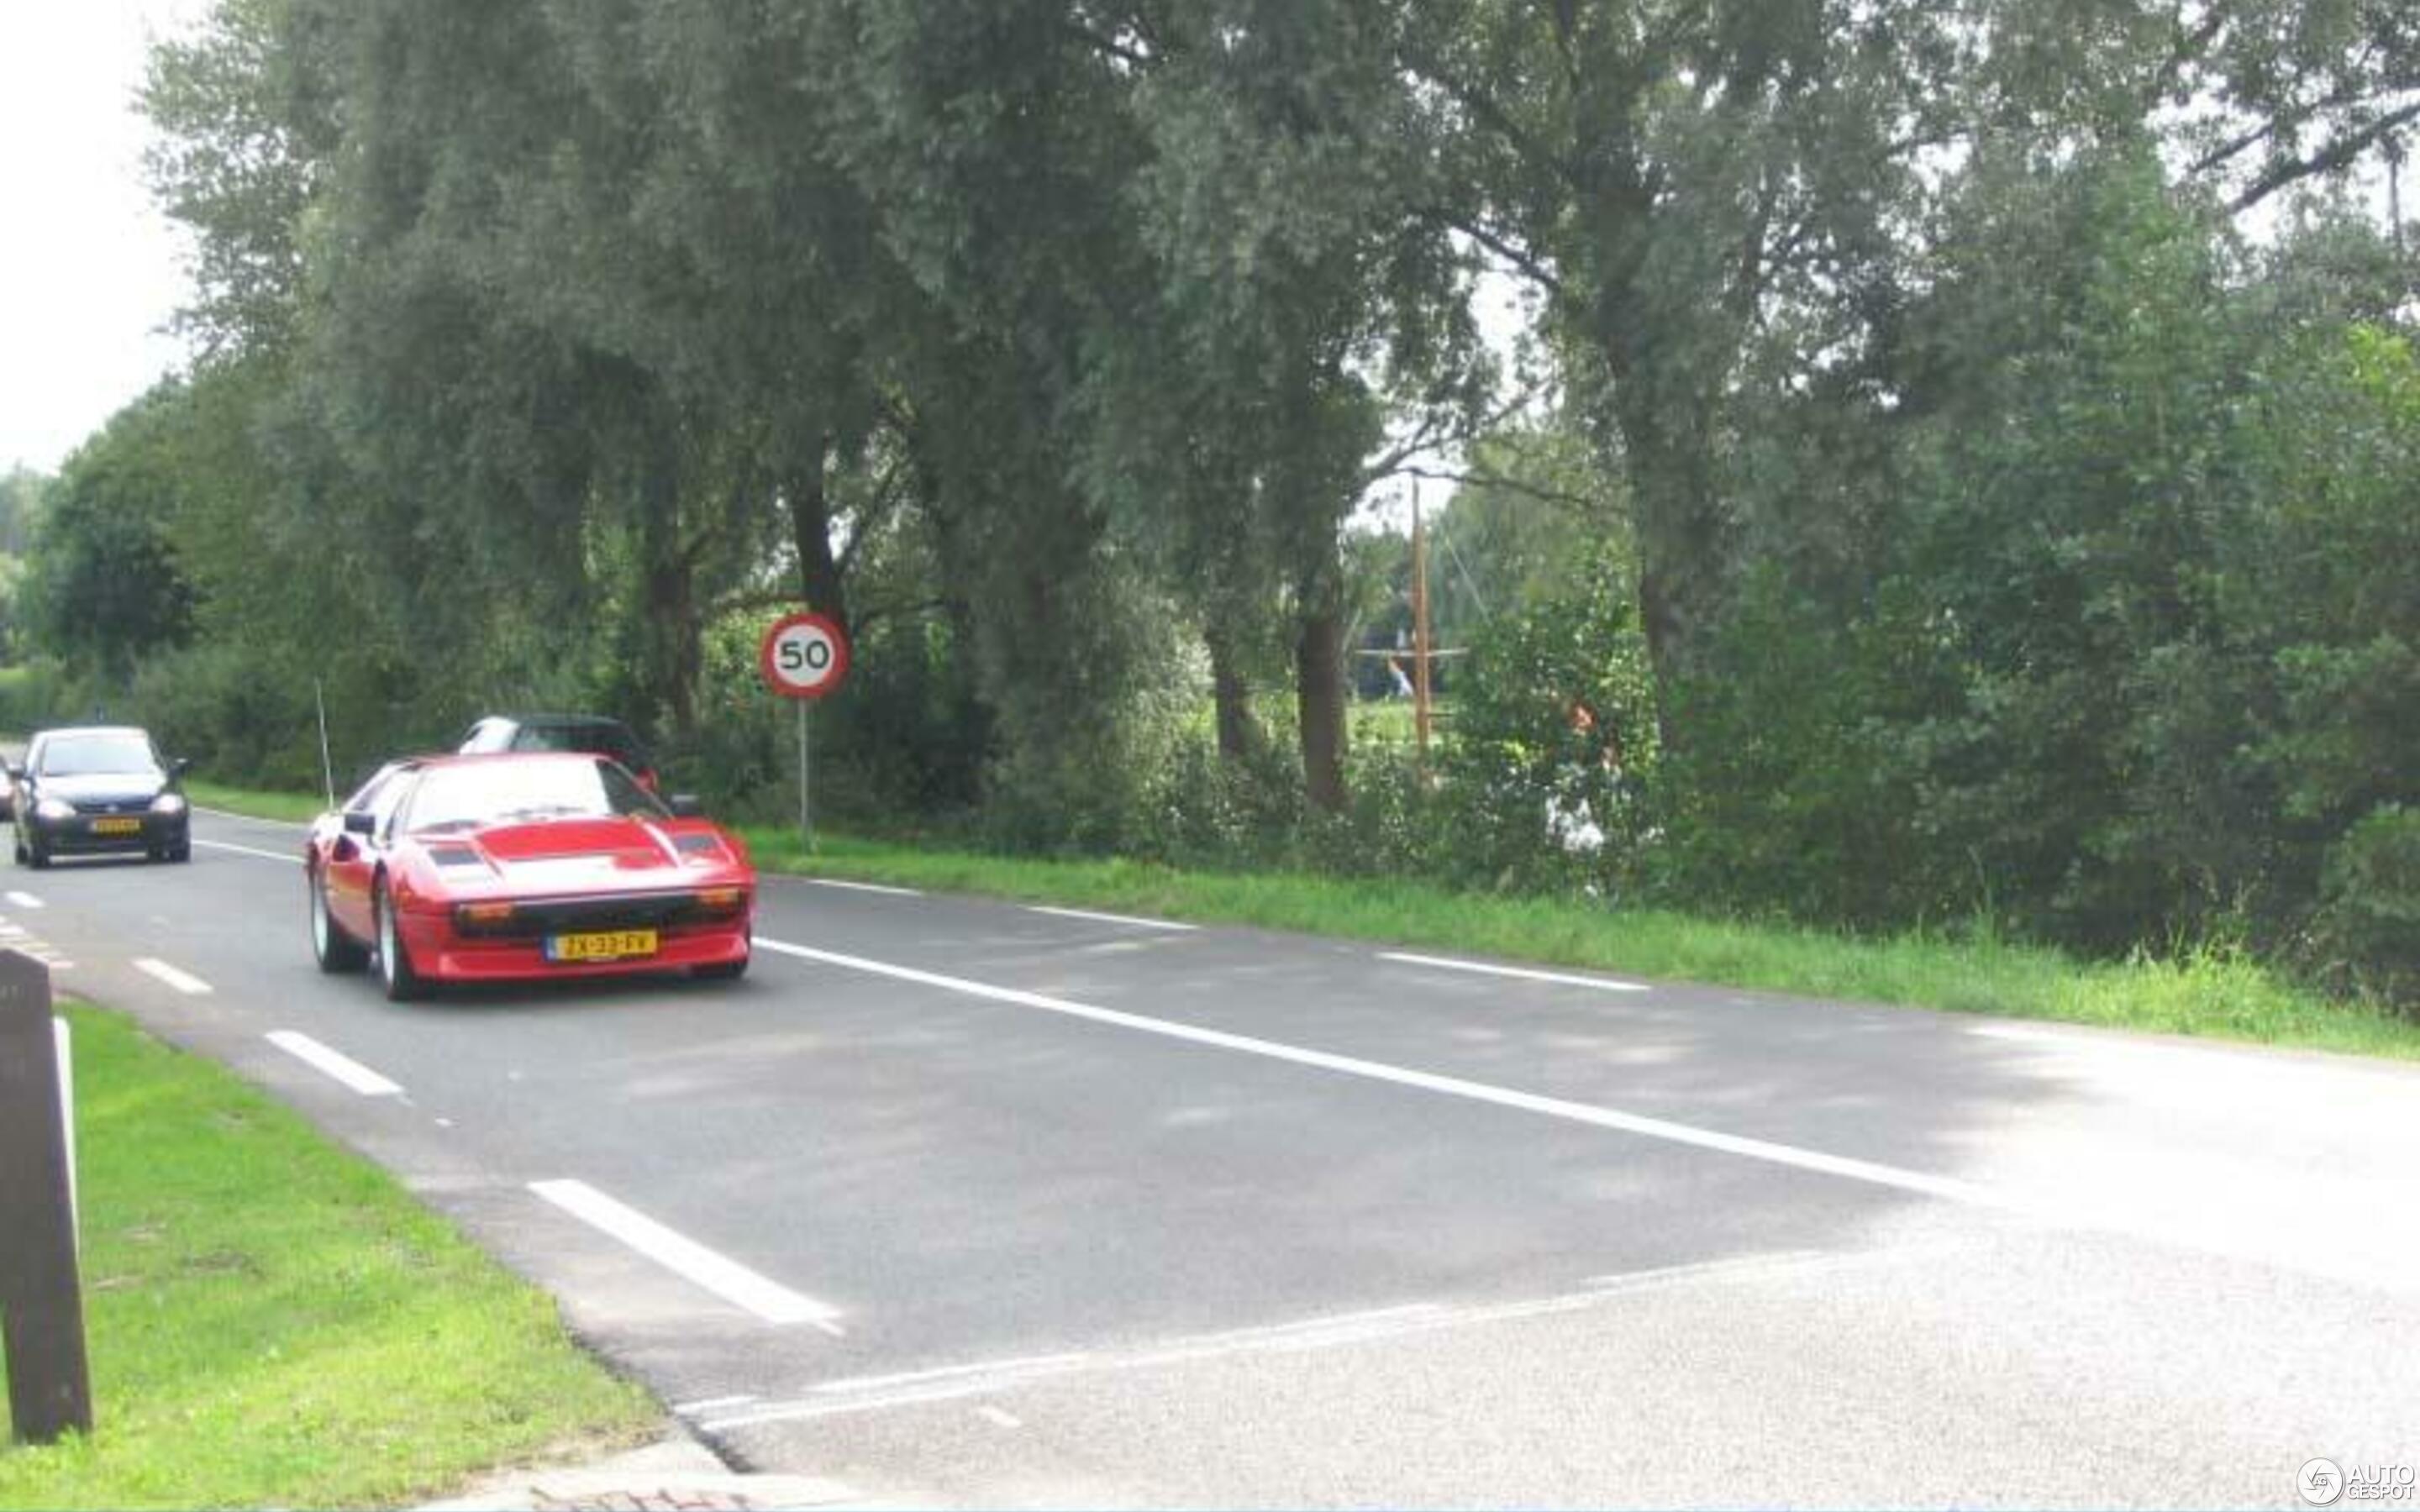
[2217, 993]
[274, 1322]
[298, 807]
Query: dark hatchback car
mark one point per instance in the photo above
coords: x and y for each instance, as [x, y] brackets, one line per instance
[98, 790]
[589, 734]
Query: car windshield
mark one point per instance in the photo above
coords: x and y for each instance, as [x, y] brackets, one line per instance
[502, 792]
[97, 756]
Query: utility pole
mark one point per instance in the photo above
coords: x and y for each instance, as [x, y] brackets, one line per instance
[1419, 626]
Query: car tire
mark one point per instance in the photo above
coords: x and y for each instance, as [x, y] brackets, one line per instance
[181, 852]
[335, 950]
[395, 973]
[722, 970]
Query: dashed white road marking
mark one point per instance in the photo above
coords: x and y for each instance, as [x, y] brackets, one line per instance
[249, 850]
[860, 886]
[24, 899]
[998, 1418]
[1871, 1172]
[1524, 973]
[335, 1063]
[725, 1277]
[710, 1404]
[1113, 918]
[184, 981]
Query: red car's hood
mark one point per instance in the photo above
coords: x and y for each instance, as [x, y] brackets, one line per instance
[574, 855]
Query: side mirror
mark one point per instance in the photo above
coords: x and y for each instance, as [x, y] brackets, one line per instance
[686, 806]
[180, 766]
[17, 771]
[360, 824]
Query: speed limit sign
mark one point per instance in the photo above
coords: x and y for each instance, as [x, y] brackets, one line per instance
[805, 656]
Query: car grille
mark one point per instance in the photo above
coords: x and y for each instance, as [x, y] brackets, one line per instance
[660, 911]
[109, 805]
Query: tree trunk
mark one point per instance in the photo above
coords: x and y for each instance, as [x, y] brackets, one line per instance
[810, 535]
[1319, 699]
[672, 639]
[1239, 733]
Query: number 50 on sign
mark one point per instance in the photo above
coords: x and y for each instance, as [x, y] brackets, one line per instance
[805, 656]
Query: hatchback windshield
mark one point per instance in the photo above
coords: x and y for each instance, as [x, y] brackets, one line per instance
[97, 756]
[512, 792]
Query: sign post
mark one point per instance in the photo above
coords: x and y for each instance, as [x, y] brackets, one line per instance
[42, 1299]
[803, 657]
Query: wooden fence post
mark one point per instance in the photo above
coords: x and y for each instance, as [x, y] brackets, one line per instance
[41, 1302]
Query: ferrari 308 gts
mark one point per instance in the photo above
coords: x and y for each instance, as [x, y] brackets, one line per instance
[520, 867]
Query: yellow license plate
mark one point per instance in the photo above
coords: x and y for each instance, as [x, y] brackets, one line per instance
[117, 827]
[607, 944]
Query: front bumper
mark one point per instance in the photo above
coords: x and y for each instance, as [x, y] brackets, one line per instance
[443, 953]
[79, 836]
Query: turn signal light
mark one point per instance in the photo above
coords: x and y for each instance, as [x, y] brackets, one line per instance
[485, 913]
[722, 900]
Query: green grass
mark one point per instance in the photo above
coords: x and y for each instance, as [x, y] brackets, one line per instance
[301, 808]
[2219, 993]
[2214, 992]
[274, 1322]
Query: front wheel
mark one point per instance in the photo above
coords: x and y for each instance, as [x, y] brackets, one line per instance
[395, 974]
[335, 950]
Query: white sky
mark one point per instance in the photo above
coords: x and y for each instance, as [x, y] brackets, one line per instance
[89, 273]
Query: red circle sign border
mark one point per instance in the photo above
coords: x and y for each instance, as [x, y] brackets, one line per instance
[830, 627]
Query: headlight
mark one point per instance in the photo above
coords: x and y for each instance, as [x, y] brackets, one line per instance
[168, 802]
[54, 808]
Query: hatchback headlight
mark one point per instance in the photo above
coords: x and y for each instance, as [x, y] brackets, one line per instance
[168, 802]
[54, 808]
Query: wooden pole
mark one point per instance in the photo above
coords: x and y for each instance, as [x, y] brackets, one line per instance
[42, 1299]
[1419, 625]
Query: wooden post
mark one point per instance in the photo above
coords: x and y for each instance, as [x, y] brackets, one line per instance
[1419, 626]
[41, 1301]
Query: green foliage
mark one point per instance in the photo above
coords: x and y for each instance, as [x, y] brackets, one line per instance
[2368, 926]
[107, 588]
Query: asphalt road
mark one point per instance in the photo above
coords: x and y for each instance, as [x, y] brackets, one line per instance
[973, 1203]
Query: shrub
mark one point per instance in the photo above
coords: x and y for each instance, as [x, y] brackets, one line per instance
[2368, 926]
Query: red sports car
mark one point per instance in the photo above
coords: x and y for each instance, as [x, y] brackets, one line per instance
[521, 867]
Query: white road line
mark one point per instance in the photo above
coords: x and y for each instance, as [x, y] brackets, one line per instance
[727, 1278]
[249, 850]
[956, 1383]
[1112, 918]
[1524, 973]
[859, 887]
[343, 1067]
[1021, 1365]
[184, 981]
[998, 1418]
[24, 899]
[1871, 1172]
[708, 1404]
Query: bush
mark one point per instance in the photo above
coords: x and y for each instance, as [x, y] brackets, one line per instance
[2368, 926]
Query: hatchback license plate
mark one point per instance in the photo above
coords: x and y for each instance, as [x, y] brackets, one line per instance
[608, 944]
[117, 827]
